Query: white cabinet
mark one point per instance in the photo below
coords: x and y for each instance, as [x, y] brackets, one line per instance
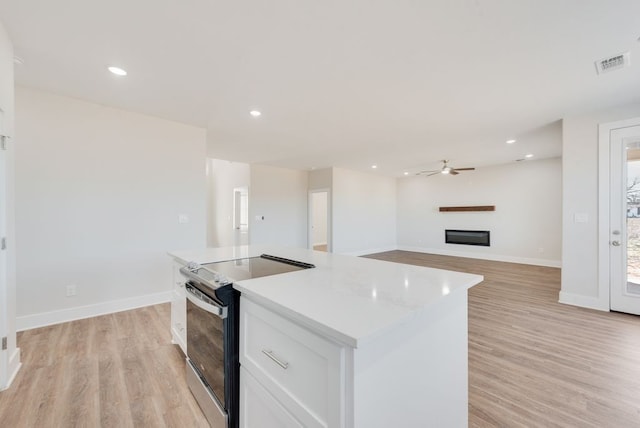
[301, 375]
[258, 408]
[179, 309]
[414, 375]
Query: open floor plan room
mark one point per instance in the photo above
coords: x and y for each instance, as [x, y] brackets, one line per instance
[532, 361]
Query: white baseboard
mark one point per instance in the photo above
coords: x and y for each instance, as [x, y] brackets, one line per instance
[28, 322]
[492, 257]
[583, 301]
[13, 367]
[370, 251]
[319, 243]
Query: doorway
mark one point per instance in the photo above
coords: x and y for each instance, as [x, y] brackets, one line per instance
[624, 218]
[319, 221]
[240, 216]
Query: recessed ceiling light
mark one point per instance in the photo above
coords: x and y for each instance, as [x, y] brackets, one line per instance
[528, 156]
[255, 113]
[117, 71]
[374, 166]
[511, 141]
[406, 173]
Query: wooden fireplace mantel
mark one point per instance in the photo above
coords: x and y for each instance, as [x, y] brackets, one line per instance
[469, 208]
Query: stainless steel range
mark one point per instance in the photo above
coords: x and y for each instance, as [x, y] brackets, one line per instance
[213, 368]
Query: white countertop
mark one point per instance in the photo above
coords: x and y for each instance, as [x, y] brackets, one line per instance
[350, 299]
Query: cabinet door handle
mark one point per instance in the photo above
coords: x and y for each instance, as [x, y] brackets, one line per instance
[275, 359]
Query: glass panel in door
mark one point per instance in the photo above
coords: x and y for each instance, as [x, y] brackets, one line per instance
[632, 150]
[624, 238]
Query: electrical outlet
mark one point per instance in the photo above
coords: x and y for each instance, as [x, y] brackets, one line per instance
[71, 290]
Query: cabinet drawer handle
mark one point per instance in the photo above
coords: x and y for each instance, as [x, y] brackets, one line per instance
[275, 359]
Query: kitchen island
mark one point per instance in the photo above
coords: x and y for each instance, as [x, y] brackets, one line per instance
[353, 342]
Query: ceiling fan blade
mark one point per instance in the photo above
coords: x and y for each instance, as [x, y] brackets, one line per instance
[427, 172]
[432, 173]
[465, 169]
[453, 172]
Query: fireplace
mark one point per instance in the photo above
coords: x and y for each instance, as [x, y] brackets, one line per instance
[467, 237]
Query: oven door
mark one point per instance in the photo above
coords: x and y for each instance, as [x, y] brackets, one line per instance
[205, 348]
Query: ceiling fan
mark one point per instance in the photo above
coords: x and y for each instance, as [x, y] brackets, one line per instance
[446, 169]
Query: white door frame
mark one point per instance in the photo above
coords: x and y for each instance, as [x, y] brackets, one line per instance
[4, 280]
[604, 217]
[310, 219]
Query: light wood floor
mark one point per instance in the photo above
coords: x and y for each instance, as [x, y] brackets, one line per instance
[532, 361]
[117, 370]
[536, 363]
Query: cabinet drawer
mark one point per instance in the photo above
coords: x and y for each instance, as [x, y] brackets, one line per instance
[179, 320]
[258, 408]
[301, 369]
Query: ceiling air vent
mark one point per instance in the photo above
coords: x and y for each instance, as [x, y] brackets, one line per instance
[613, 63]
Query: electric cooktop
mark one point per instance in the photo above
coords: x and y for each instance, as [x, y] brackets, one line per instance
[253, 267]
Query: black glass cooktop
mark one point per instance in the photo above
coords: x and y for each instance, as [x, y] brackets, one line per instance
[255, 267]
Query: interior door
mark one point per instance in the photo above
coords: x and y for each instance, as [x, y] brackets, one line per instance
[624, 232]
[319, 221]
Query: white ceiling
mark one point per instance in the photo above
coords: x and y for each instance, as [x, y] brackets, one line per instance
[398, 83]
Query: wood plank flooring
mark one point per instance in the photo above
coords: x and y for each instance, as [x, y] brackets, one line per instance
[532, 361]
[536, 363]
[117, 370]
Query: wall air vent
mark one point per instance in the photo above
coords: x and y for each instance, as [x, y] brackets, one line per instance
[613, 63]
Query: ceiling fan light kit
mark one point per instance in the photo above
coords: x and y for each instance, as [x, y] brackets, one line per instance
[446, 169]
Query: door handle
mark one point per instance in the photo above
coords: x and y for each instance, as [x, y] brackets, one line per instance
[615, 243]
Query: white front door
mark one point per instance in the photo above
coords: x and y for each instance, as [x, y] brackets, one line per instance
[624, 231]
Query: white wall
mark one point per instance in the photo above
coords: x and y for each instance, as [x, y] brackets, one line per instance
[280, 196]
[321, 179]
[98, 194]
[10, 359]
[364, 212]
[223, 177]
[580, 189]
[528, 199]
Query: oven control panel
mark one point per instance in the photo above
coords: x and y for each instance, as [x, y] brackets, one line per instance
[196, 272]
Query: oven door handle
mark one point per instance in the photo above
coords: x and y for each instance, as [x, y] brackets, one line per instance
[210, 307]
